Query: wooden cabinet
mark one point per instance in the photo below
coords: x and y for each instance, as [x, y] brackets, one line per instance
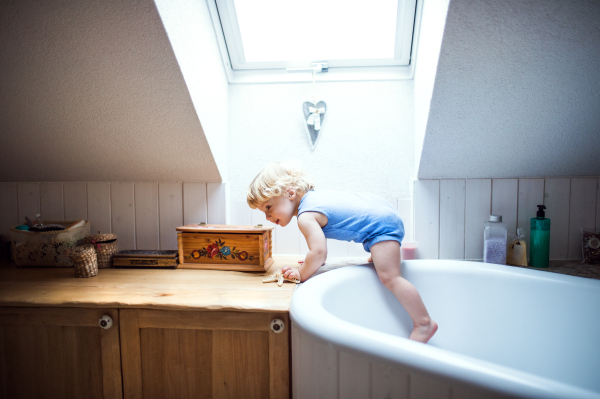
[176, 334]
[64, 353]
[59, 353]
[204, 354]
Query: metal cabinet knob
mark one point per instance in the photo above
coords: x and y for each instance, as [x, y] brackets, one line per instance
[105, 322]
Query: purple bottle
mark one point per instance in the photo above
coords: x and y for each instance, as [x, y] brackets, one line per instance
[494, 240]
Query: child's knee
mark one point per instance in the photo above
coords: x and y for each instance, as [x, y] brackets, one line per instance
[388, 279]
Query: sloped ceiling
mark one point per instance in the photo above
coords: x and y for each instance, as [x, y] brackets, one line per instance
[91, 90]
[517, 91]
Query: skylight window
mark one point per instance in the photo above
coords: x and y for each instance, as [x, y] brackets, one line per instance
[281, 34]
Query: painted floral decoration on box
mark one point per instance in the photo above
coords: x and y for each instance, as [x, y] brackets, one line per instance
[224, 247]
[219, 250]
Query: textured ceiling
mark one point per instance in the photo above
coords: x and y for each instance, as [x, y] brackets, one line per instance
[517, 91]
[91, 90]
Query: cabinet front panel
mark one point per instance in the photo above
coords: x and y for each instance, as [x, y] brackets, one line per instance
[203, 354]
[51, 361]
[241, 364]
[174, 363]
[204, 363]
[56, 361]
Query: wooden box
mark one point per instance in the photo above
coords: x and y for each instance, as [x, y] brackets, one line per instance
[145, 258]
[225, 247]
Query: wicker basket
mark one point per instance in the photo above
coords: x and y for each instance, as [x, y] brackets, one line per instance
[105, 246]
[50, 248]
[84, 260]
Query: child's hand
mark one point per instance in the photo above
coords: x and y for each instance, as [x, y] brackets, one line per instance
[291, 272]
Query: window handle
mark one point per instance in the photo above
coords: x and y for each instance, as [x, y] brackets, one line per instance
[318, 67]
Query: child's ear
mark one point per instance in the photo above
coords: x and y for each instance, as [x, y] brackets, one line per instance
[290, 193]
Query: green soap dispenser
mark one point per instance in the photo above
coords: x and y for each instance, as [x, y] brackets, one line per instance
[539, 251]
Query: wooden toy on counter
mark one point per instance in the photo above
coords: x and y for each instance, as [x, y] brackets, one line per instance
[225, 247]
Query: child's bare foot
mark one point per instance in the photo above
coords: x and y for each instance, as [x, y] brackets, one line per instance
[370, 259]
[424, 332]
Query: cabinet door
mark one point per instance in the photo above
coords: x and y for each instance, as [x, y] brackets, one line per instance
[168, 354]
[59, 353]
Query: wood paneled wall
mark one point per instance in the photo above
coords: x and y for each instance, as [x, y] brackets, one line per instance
[449, 214]
[143, 215]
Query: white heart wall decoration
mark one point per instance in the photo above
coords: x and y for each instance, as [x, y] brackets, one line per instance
[314, 118]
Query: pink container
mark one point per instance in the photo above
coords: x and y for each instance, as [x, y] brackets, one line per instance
[408, 250]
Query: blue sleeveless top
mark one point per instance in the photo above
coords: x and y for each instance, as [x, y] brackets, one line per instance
[358, 217]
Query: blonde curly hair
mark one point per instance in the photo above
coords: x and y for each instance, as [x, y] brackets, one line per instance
[274, 179]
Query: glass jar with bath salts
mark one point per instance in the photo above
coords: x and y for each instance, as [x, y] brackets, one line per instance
[494, 240]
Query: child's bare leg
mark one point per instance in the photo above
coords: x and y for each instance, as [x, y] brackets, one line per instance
[386, 256]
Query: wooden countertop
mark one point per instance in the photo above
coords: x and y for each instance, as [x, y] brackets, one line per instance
[181, 289]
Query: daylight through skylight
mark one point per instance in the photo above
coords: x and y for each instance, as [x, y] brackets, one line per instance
[283, 30]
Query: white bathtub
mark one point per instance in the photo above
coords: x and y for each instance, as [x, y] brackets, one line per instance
[503, 332]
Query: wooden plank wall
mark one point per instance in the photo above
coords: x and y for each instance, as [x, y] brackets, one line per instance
[449, 213]
[446, 219]
[143, 215]
[428, 215]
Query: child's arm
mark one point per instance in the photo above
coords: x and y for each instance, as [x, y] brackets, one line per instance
[317, 245]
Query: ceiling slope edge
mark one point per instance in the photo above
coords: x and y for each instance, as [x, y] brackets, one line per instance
[516, 92]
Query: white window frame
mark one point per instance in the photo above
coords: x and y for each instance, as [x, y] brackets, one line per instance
[338, 70]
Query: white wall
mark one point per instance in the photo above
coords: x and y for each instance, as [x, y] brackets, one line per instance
[449, 213]
[100, 117]
[366, 142]
[98, 92]
[516, 95]
[517, 91]
[366, 145]
[190, 30]
[433, 21]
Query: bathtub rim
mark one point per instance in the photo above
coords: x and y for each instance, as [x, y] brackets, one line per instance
[312, 318]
